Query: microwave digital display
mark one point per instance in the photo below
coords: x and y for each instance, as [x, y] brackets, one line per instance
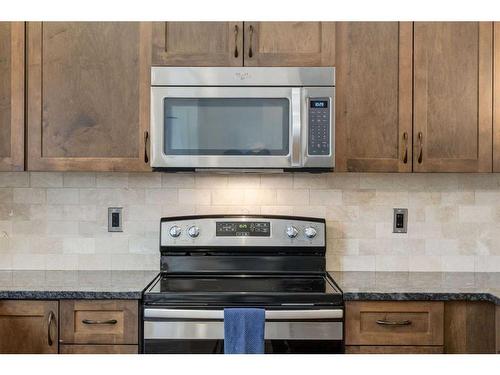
[319, 103]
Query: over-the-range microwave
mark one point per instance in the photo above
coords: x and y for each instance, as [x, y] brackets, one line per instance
[242, 118]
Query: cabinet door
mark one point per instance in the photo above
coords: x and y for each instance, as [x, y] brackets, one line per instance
[374, 96]
[198, 43]
[28, 327]
[289, 43]
[453, 96]
[88, 95]
[11, 96]
[469, 327]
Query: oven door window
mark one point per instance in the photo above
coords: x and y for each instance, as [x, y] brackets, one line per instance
[226, 126]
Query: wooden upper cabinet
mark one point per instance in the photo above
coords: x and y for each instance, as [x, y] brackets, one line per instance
[11, 96]
[289, 43]
[88, 95]
[198, 43]
[28, 327]
[374, 96]
[453, 96]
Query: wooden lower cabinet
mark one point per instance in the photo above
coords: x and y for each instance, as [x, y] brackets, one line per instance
[28, 327]
[98, 349]
[393, 349]
[418, 327]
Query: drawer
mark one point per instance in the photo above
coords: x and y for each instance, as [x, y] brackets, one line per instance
[394, 323]
[98, 349]
[388, 349]
[99, 322]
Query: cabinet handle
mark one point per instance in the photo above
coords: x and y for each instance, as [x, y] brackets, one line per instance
[236, 31]
[110, 321]
[405, 154]
[250, 52]
[420, 142]
[384, 322]
[146, 137]
[49, 325]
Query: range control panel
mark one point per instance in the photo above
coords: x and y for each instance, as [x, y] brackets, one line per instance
[319, 126]
[243, 228]
[242, 231]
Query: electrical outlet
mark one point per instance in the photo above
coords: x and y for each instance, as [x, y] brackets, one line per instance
[115, 219]
[400, 223]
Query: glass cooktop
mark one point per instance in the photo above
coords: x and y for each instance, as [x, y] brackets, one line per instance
[258, 289]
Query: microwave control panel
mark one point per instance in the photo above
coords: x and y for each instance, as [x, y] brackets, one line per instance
[319, 127]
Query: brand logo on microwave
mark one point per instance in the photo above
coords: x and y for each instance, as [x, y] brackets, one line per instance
[242, 75]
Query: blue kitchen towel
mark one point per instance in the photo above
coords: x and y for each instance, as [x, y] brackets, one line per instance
[244, 331]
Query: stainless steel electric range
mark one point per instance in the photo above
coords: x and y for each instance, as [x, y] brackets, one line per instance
[272, 262]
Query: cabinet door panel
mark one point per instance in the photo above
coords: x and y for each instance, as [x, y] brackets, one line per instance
[373, 96]
[88, 95]
[198, 43]
[25, 327]
[289, 43]
[453, 96]
[11, 96]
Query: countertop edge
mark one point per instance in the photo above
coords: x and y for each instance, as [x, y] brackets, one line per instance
[57, 295]
[420, 296]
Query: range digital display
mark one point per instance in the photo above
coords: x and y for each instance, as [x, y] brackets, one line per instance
[243, 229]
[319, 103]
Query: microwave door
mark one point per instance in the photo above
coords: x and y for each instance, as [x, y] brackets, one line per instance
[225, 127]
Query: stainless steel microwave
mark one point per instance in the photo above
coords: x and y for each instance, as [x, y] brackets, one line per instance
[242, 118]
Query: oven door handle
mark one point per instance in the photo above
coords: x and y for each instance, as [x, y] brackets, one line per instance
[296, 127]
[219, 314]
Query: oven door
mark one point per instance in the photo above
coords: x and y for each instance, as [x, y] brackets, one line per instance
[226, 127]
[184, 331]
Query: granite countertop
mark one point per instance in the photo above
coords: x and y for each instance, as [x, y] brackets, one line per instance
[74, 284]
[427, 286]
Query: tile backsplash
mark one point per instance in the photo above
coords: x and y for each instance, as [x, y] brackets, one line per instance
[59, 220]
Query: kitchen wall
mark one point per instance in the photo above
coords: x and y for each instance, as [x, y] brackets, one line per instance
[59, 220]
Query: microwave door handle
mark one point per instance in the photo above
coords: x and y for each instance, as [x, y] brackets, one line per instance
[296, 125]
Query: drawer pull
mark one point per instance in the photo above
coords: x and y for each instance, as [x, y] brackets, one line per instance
[110, 321]
[384, 322]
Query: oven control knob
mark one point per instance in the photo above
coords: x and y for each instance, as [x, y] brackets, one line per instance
[193, 231]
[310, 232]
[175, 231]
[291, 231]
